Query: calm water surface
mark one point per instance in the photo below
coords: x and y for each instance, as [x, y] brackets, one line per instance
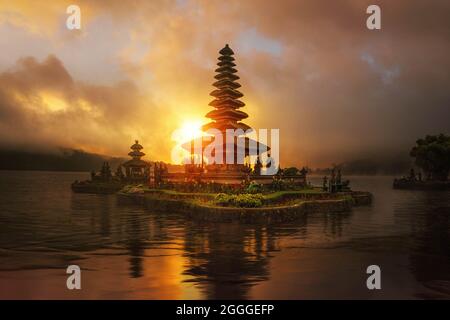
[126, 252]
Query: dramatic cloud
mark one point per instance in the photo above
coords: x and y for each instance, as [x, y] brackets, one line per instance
[41, 106]
[140, 68]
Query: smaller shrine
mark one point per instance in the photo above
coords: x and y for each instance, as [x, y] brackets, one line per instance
[335, 183]
[102, 182]
[136, 169]
[104, 175]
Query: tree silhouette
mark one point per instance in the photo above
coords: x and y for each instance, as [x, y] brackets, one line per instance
[433, 156]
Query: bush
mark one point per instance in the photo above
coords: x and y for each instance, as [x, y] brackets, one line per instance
[134, 189]
[278, 185]
[222, 199]
[254, 188]
[292, 171]
[284, 185]
[239, 200]
[249, 200]
[349, 198]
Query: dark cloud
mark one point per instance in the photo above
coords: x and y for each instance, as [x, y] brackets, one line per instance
[340, 91]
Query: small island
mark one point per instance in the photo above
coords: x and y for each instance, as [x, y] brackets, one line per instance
[432, 156]
[217, 191]
[104, 182]
[254, 203]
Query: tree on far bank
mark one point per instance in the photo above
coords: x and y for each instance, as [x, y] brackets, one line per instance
[292, 171]
[433, 156]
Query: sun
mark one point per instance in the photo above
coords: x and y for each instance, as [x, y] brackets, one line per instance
[189, 130]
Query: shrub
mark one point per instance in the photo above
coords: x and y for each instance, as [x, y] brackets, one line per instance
[292, 171]
[239, 200]
[278, 185]
[134, 189]
[254, 188]
[349, 198]
[249, 200]
[222, 199]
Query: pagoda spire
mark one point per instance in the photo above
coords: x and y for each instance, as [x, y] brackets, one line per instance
[226, 103]
[136, 152]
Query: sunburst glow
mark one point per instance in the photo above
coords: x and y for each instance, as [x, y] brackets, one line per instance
[189, 130]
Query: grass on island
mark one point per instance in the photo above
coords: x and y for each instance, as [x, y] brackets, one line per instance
[243, 199]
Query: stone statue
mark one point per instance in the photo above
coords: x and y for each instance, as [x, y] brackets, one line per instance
[303, 172]
[258, 166]
[325, 183]
[268, 161]
[119, 172]
[412, 174]
[333, 180]
[338, 181]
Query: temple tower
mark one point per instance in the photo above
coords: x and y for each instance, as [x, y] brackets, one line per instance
[226, 103]
[226, 115]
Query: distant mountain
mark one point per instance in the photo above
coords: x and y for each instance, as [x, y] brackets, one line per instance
[60, 160]
[373, 166]
[78, 160]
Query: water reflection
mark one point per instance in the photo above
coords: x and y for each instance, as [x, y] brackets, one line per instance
[430, 230]
[227, 268]
[227, 259]
[129, 252]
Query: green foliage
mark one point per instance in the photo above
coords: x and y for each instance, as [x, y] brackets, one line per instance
[254, 188]
[433, 155]
[277, 184]
[292, 171]
[202, 187]
[349, 198]
[239, 200]
[139, 188]
[283, 185]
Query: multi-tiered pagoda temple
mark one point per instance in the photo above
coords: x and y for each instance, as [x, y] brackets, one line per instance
[225, 116]
[226, 103]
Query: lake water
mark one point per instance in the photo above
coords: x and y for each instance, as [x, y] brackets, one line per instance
[126, 252]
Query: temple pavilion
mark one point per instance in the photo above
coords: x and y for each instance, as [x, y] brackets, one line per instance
[136, 169]
[227, 115]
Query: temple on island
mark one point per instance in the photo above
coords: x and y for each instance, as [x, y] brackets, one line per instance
[226, 115]
[136, 169]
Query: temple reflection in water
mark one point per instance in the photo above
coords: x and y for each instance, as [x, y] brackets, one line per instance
[223, 260]
[127, 251]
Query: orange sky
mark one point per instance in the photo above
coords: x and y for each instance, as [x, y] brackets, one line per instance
[141, 69]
